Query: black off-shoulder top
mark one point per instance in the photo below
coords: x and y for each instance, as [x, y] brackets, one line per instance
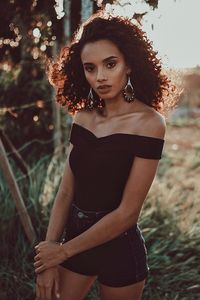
[101, 165]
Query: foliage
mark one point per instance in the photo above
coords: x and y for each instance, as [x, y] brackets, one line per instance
[152, 3]
[28, 31]
[26, 94]
[16, 271]
[17, 22]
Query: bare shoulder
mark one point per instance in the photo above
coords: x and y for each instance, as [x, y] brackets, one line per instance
[82, 117]
[154, 124]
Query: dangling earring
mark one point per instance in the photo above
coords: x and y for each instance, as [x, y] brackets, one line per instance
[128, 91]
[92, 102]
[90, 98]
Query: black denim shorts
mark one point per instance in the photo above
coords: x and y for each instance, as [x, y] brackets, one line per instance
[119, 262]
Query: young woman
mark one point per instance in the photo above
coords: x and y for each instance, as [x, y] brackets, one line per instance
[110, 80]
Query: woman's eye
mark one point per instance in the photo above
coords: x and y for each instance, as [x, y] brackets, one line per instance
[111, 65]
[89, 69]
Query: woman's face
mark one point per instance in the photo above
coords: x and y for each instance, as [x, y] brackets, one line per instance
[105, 68]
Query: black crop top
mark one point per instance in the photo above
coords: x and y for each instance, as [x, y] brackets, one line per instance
[101, 165]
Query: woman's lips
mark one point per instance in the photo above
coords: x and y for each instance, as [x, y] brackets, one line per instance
[104, 89]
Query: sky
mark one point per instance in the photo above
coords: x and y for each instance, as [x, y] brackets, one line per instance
[176, 30]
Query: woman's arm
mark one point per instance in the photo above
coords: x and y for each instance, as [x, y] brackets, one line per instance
[60, 209]
[47, 282]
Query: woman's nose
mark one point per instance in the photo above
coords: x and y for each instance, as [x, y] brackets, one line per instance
[101, 75]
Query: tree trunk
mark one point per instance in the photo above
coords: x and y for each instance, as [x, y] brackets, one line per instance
[56, 110]
[61, 123]
[14, 189]
[14, 153]
[86, 9]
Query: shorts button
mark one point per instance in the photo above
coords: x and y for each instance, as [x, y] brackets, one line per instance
[80, 214]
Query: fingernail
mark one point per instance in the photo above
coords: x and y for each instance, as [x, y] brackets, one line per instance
[57, 295]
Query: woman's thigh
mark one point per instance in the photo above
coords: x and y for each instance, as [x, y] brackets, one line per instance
[73, 286]
[130, 292]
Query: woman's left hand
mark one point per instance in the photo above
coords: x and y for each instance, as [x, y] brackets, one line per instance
[49, 254]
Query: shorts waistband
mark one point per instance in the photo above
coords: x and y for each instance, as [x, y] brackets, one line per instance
[89, 213]
[89, 216]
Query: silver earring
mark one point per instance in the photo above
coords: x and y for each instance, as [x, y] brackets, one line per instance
[92, 102]
[90, 98]
[128, 91]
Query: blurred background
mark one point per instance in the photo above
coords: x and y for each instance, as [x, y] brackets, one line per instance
[34, 140]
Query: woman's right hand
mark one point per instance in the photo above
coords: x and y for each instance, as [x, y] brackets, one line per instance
[47, 284]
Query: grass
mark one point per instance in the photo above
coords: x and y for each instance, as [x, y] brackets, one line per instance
[169, 222]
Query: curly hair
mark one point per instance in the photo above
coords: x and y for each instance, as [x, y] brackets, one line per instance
[151, 85]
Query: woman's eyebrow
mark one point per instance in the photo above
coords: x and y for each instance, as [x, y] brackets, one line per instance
[108, 58]
[104, 60]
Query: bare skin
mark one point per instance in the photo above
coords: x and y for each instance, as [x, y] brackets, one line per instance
[130, 292]
[69, 279]
[73, 286]
[119, 116]
[131, 121]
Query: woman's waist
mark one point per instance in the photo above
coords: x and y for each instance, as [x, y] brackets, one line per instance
[81, 220]
[96, 203]
[89, 214]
